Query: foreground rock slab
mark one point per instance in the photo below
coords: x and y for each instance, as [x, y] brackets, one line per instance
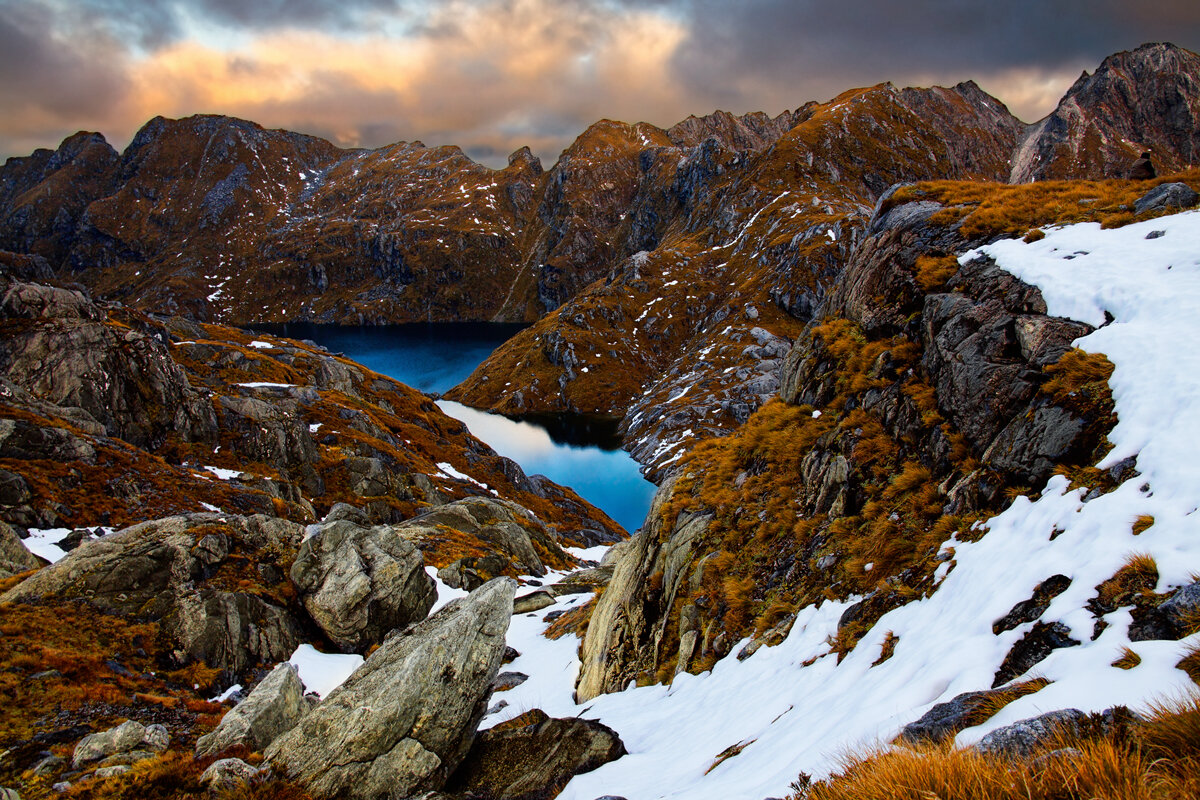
[407, 717]
[532, 761]
[274, 707]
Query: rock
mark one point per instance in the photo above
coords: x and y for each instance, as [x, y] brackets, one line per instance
[533, 601]
[160, 569]
[404, 720]
[15, 558]
[506, 529]
[230, 774]
[9, 794]
[124, 738]
[47, 765]
[1031, 609]
[945, 720]
[360, 583]
[1020, 739]
[508, 680]
[472, 572]
[111, 772]
[1165, 196]
[1170, 619]
[630, 616]
[274, 707]
[1035, 645]
[345, 511]
[531, 761]
[582, 581]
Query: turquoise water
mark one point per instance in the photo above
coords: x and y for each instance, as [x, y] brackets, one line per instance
[433, 358]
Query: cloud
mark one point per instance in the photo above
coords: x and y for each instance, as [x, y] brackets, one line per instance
[493, 75]
[816, 49]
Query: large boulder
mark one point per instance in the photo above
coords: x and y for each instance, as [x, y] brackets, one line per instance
[501, 527]
[406, 718]
[275, 706]
[168, 569]
[128, 737]
[360, 583]
[532, 761]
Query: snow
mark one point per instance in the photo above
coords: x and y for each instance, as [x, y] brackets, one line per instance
[449, 471]
[210, 507]
[261, 345]
[228, 693]
[44, 542]
[804, 718]
[323, 672]
[313, 428]
[224, 474]
[266, 385]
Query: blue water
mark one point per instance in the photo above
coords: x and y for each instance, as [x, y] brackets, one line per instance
[433, 358]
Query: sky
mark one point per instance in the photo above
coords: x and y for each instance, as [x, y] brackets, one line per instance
[495, 75]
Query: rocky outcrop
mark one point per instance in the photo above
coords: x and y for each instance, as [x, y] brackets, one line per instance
[631, 617]
[532, 756]
[358, 584]
[516, 541]
[406, 718]
[273, 708]
[168, 569]
[1138, 100]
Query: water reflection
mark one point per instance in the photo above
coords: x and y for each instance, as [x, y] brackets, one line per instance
[609, 479]
[575, 451]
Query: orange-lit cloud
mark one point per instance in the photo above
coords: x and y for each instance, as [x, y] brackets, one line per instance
[493, 75]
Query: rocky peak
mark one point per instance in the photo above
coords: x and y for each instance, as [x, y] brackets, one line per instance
[751, 132]
[524, 159]
[1143, 99]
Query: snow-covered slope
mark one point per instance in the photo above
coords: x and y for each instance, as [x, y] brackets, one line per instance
[790, 713]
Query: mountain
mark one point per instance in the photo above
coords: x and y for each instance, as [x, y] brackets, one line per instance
[925, 442]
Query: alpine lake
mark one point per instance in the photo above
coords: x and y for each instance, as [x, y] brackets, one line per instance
[575, 451]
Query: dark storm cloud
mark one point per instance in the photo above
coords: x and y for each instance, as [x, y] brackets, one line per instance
[760, 46]
[45, 76]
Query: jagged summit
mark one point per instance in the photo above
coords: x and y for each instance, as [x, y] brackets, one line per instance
[1142, 99]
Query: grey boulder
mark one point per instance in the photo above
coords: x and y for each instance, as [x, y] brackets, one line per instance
[124, 738]
[406, 718]
[275, 706]
[1166, 195]
[359, 584]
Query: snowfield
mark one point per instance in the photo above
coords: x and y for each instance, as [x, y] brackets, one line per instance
[792, 718]
[797, 718]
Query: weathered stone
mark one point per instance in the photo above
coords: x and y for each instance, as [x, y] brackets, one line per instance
[1031, 609]
[1020, 739]
[471, 572]
[1034, 646]
[230, 774]
[631, 616]
[14, 556]
[404, 720]
[531, 761]
[505, 528]
[360, 583]
[124, 738]
[945, 720]
[508, 680]
[1165, 196]
[274, 707]
[112, 772]
[155, 569]
[533, 601]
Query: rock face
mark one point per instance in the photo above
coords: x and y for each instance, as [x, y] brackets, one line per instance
[164, 569]
[1143, 99]
[631, 617]
[360, 583]
[406, 718]
[273, 708]
[531, 757]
